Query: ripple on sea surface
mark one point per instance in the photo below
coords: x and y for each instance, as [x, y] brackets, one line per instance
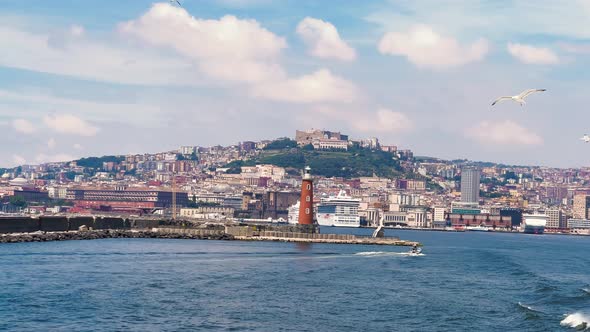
[464, 282]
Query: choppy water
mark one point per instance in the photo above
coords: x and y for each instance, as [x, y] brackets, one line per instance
[464, 282]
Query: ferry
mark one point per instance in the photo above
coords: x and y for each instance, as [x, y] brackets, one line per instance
[340, 211]
[480, 228]
[534, 223]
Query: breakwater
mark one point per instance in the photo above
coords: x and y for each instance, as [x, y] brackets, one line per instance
[17, 224]
[57, 228]
[109, 234]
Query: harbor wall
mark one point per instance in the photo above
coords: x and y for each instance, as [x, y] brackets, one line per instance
[77, 222]
[19, 225]
[53, 224]
[61, 223]
[23, 224]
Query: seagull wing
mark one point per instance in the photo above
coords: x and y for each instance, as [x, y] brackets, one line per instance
[525, 93]
[500, 99]
[178, 2]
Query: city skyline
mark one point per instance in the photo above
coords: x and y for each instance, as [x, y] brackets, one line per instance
[97, 79]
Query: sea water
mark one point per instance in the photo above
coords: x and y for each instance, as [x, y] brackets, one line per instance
[468, 281]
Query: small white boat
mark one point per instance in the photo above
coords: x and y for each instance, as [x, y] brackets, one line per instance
[415, 251]
[480, 228]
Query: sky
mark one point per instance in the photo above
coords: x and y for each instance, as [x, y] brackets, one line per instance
[102, 77]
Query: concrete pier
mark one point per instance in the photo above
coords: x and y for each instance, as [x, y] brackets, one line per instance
[338, 239]
[307, 234]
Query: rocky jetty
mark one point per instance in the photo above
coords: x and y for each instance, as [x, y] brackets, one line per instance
[105, 234]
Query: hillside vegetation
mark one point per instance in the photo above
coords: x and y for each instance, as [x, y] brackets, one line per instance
[355, 162]
[96, 162]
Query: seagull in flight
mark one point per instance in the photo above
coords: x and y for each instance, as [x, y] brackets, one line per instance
[175, 2]
[585, 138]
[518, 98]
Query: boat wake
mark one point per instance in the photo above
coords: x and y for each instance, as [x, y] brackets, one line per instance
[586, 290]
[386, 253]
[578, 321]
[375, 253]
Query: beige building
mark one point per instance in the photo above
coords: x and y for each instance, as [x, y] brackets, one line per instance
[556, 219]
[374, 182]
[263, 171]
[439, 214]
[304, 137]
[324, 144]
[580, 208]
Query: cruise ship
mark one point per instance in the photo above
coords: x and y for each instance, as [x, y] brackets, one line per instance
[293, 216]
[340, 210]
[534, 223]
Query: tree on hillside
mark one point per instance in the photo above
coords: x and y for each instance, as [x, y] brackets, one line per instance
[96, 162]
[282, 143]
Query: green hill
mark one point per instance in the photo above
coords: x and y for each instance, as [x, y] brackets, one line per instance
[96, 162]
[355, 162]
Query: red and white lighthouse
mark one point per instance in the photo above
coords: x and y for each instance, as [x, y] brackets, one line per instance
[306, 199]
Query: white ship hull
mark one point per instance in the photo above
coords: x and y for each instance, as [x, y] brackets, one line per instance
[293, 216]
[534, 223]
[477, 228]
[331, 220]
[339, 211]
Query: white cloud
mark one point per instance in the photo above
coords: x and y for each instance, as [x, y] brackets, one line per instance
[138, 111]
[425, 48]
[237, 50]
[70, 124]
[63, 39]
[472, 18]
[44, 158]
[18, 160]
[384, 121]
[71, 53]
[167, 46]
[77, 30]
[51, 143]
[320, 86]
[323, 40]
[77, 146]
[532, 55]
[244, 3]
[23, 126]
[575, 48]
[503, 133]
[228, 49]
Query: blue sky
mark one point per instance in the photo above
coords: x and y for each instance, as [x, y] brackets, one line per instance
[80, 78]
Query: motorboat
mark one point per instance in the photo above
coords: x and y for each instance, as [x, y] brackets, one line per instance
[415, 251]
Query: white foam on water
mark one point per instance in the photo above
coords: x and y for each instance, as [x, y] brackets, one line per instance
[412, 254]
[527, 307]
[577, 320]
[386, 253]
[586, 290]
[373, 253]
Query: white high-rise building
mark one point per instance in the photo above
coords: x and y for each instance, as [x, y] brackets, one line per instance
[470, 184]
